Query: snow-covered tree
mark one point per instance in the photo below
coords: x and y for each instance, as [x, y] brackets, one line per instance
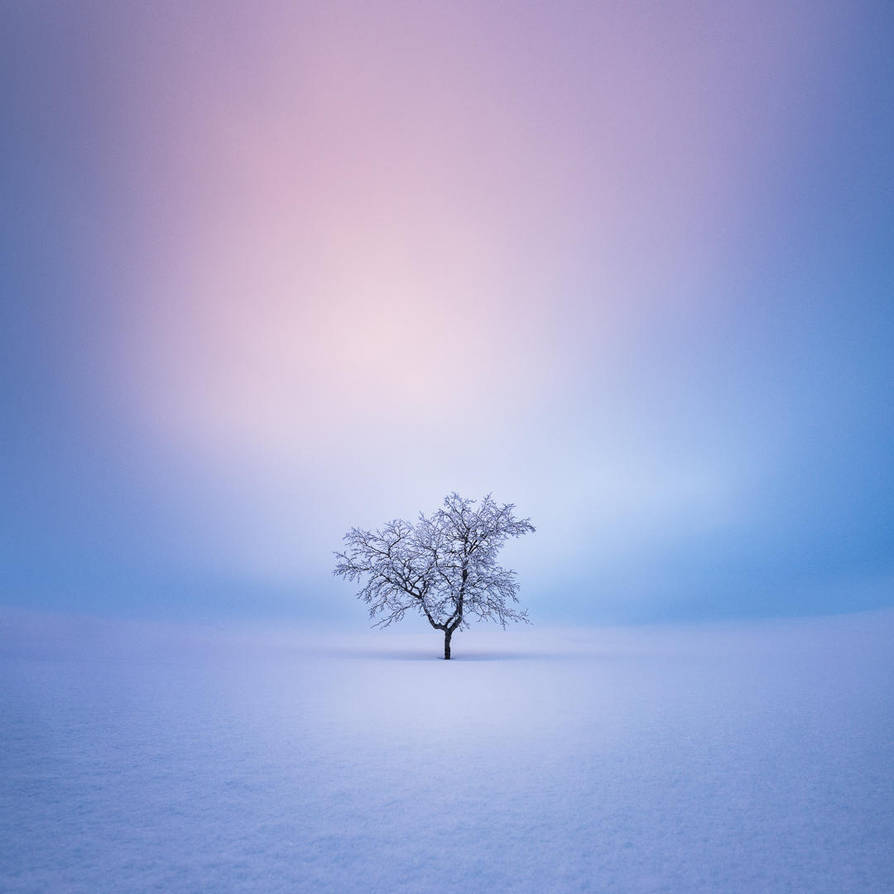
[445, 566]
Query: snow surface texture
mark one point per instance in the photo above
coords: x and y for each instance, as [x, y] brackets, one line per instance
[732, 758]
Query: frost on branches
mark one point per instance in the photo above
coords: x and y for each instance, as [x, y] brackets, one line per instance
[444, 566]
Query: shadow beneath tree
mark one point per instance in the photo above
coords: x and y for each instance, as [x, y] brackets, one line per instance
[461, 657]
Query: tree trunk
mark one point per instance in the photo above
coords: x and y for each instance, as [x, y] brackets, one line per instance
[447, 635]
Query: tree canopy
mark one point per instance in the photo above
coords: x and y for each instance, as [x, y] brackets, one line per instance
[444, 566]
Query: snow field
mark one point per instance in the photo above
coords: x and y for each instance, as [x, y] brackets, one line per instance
[728, 758]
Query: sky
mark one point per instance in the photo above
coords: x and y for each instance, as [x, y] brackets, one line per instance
[271, 270]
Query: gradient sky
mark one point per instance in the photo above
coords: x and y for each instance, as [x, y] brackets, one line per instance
[270, 270]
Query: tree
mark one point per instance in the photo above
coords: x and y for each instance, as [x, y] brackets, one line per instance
[444, 566]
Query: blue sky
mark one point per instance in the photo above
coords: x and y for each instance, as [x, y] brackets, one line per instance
[271, 272]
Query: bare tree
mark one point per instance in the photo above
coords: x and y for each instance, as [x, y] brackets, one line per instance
[444, 566]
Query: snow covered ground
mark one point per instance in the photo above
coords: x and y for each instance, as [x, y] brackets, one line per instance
[747, 758]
